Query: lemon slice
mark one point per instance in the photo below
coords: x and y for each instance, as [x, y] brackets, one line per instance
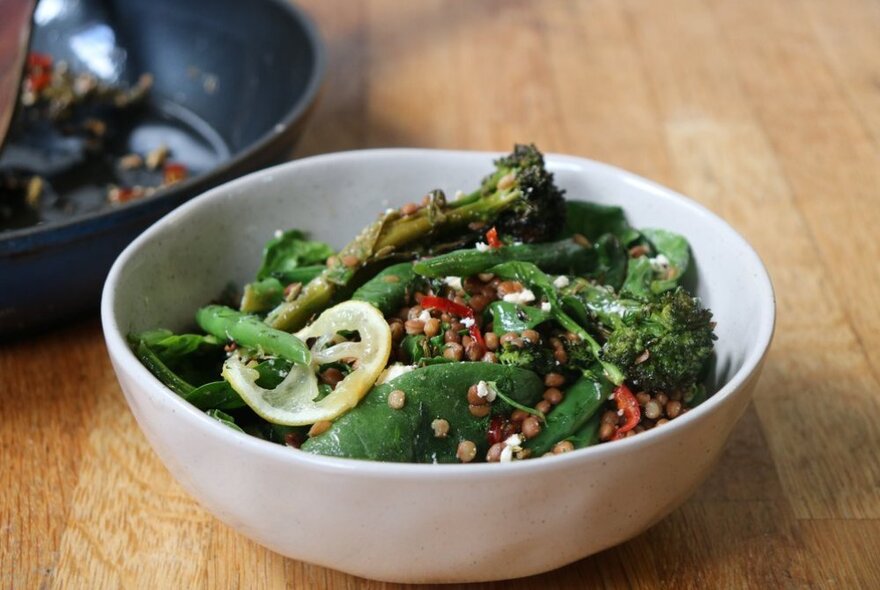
[292, 402]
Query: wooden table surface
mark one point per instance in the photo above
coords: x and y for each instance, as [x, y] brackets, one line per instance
[766, 112]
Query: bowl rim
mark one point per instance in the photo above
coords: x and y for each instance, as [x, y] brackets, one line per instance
[121, 353]
[78, 226]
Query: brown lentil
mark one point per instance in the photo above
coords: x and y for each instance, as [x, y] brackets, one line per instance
[653, 409]
[553, 380]
[432, 327]
[543, 406]
[479, 411]
[474, 350]
[489, 357]
[466, 451]
[643, 398]
[610, 417]
[474, 398]
[606, 431]
[440, 428]
[673, 408]
[396, 399]
[531, 336]
[479, 302]
[639, 250]
[553, 395]
[518, 415]
[563, 446]
[331, 376]
[466, 341]
[451, 336]
[661, 422]
[319, 427]
[409, 209]
[507, 181]
[414, 326]
[292, 291]
[531, 427]
[661, 398]
[453, 351]
[494, 454]
[491, 340]
[560, 355]
[397, 329]
[581, 240]
[350, 260]
[507, 287]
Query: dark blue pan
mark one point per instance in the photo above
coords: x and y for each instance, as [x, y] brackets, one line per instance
[234, 83]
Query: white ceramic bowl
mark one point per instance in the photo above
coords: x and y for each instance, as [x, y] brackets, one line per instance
[421, 523]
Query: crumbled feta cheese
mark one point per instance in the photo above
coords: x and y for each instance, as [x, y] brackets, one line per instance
[459, 194]
[561, 282]
[468, 322]
[659, 264]
[545, 306]
[484, 390]
[481, 246]
[278, 233]
[453, 282]
[511, 445]
[393, 372]
[506, 454]
[389, 211]
[514, 440]
[521, 297]
[425, 315]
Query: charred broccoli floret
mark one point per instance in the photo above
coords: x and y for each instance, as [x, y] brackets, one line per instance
[518, 198]
[531, 356]
[664, 345]
[540, 211]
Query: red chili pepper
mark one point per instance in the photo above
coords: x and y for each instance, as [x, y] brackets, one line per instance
[39, 60]
[627, 403]
[492, 238]
[174, 172]
[39, 75]
[462, 311]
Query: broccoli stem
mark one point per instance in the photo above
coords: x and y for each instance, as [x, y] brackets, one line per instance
[247, 330]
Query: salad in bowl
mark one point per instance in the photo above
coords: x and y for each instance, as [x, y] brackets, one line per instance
[502, 324]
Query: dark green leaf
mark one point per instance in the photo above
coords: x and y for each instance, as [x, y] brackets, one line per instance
[509, 317]
[373, 430]
[593, 220]
[288, 253]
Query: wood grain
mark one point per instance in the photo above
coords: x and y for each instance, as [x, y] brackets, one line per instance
[767, 112]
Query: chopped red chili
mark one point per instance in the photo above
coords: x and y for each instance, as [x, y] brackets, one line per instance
[492, 238]
[174, 172]
[462, 311]
[626, 403]
[39, 60]
[39, 66]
